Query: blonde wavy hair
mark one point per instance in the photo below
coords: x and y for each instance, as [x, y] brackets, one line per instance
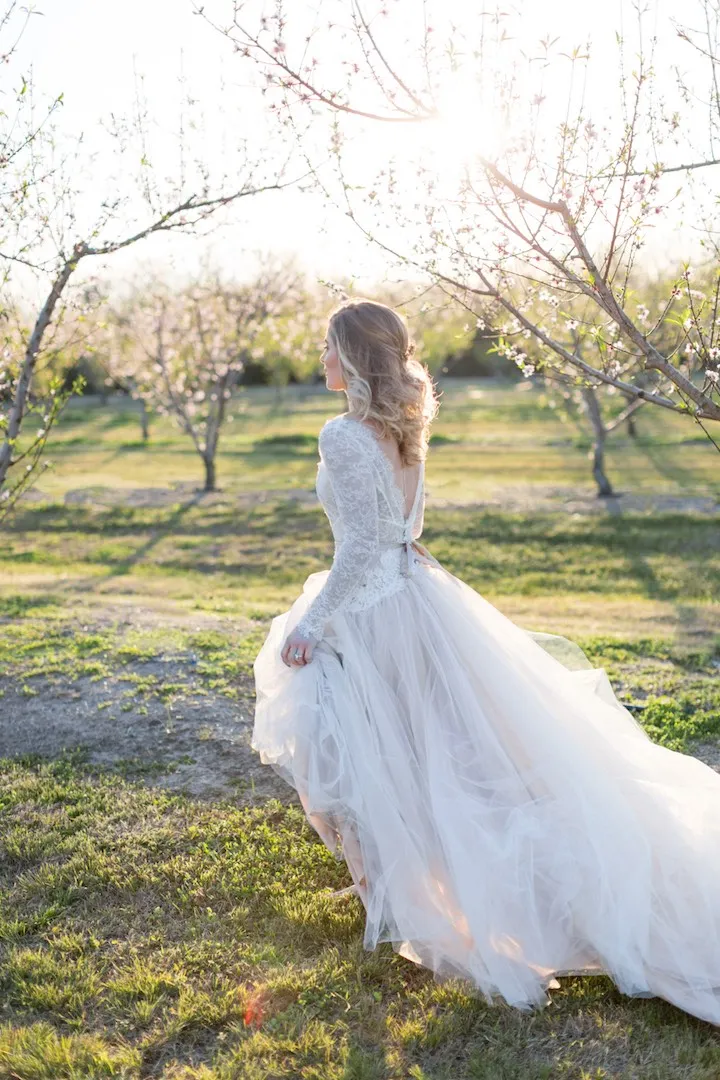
[384, 381]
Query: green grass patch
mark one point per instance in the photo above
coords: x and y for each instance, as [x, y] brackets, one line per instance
[661, 556]
[203, 663]
[146, 934]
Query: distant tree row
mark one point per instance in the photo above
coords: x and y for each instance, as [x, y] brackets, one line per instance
[182, 352]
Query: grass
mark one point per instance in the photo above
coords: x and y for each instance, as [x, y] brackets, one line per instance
[145, 933]
[149, 935]
[490, 436]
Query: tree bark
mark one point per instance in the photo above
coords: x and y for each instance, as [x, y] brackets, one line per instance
[22, 387]
[209, 464]
[597, 455]
[144, 420]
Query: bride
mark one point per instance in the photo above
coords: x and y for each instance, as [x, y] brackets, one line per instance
[504, 818]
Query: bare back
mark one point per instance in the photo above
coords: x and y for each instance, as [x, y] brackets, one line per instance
[406, 476]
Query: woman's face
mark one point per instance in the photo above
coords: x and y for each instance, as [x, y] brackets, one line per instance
[331, 362]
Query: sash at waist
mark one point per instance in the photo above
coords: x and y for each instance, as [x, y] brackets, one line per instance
[412, 547]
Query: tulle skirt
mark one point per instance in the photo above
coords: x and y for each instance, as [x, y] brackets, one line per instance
[506, 819]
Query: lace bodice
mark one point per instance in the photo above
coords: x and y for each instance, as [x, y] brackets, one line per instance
[374, 551]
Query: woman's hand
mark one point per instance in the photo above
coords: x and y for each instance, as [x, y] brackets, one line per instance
[296, 642]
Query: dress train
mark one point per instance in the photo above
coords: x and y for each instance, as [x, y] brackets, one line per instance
[512, 820]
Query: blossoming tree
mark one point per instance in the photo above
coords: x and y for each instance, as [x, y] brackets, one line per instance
[545, 216]
[181, 352]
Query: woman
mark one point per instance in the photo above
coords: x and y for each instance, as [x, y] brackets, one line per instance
[503, 816]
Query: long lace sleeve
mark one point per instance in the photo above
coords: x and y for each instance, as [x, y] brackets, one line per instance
[353, 485]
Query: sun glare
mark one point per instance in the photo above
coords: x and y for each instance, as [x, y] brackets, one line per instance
[464, 128]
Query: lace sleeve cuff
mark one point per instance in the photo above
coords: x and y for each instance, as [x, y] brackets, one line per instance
[311, 628]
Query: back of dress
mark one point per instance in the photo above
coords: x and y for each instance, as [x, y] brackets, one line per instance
[373, 536]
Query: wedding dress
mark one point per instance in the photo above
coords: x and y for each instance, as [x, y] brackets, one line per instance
[505, 819]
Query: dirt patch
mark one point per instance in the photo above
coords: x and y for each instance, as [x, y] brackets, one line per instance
[154, 497]
[537, 498]
[199, 745]
[517, 499]
[709, 753]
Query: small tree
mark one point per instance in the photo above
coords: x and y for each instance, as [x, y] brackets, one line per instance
[182, 352]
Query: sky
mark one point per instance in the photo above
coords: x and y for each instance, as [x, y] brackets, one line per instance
[95, 52]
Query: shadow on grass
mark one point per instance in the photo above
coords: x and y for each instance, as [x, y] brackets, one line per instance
[666, 460]
[547, 553]
[17, 606]
[668, 557]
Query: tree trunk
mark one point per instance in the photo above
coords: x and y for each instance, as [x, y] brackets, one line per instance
[144, 420]
[598, 451]
[22, 387]
[598, 468]
[209, 464]
[631, 429]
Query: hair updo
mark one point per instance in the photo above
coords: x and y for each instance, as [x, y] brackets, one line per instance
[384, 381]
